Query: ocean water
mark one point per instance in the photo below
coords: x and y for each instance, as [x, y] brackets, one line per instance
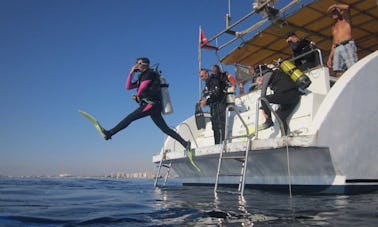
[125, 202]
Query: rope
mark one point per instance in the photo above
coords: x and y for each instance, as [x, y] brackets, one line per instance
[288, 165]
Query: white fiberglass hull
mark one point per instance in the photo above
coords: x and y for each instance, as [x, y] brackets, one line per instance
[332, 149]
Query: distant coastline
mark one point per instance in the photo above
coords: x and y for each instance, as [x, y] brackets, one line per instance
[117, 175]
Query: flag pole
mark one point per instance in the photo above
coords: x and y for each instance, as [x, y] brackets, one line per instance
[199, 61]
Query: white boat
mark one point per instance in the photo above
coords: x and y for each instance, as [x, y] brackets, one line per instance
[333, 144]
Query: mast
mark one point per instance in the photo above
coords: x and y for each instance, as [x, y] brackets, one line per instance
[228, 15]
[199, 62]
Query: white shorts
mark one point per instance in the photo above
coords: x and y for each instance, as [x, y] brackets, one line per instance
[345, 56]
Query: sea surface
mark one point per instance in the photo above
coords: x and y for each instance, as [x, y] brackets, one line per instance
[125, 202]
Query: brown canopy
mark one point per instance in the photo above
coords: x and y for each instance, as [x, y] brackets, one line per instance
[313, 23]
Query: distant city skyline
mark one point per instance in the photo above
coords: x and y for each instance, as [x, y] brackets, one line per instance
[109, 175]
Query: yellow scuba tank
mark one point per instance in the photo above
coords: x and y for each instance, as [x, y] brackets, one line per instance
[302, 80]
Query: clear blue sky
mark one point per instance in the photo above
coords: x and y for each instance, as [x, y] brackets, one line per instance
[58, 56]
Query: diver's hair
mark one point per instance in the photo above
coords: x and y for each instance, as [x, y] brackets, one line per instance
[145, 61]
[218, 68]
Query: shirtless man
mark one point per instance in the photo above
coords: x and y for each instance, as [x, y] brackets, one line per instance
[343, 50]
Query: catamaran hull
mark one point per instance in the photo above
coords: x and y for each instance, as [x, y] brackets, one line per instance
[332, 149]
[310, 170]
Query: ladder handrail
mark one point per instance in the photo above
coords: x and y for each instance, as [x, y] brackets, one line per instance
[157, 175]
[244, 170]
[283, 133]
[190, 131]
[164, 159]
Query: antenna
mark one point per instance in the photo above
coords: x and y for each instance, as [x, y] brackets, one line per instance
[228, 15]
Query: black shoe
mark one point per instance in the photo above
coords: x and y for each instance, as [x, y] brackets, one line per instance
[268, 123]
[188, 148]
[106, 134]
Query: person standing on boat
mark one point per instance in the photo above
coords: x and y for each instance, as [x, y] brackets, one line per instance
[231, 79]
[286, 94]
[225, 77]
[215, 97]
[252, 80]
[149, 99]
[343, 50]
[300, 47]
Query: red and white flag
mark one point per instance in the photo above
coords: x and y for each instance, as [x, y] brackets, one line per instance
[204, 43]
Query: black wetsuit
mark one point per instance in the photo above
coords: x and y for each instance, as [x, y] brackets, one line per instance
[149, 105]
[216, 99]
[301, 47]
[286, 94]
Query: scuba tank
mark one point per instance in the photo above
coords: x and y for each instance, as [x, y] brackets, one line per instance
[200, 117]
[302, 80]
[166, 103]
[230, 96]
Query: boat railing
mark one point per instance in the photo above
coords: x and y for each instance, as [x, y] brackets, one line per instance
[164, 151]
[240, 34]
[227, 124]
[316, 51]
[191, 132]
[263, 99]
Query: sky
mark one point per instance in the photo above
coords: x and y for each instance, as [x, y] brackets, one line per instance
[58, 56]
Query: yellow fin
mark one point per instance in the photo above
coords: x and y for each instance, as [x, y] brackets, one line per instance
[189, 154]
[93, 121]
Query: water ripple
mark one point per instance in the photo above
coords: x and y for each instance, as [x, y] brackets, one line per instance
[109, 202]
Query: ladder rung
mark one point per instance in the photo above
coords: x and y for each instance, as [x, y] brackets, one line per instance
[242, 136]
[230, 192]
[166, 166]
[230, 175]
[233, 157]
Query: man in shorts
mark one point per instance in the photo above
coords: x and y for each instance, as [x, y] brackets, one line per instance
[343, 50]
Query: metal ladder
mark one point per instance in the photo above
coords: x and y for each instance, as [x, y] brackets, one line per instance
[166, 164]
[243, 158]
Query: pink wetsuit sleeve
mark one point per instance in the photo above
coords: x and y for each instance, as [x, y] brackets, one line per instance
[129, 84]
[143, 85]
